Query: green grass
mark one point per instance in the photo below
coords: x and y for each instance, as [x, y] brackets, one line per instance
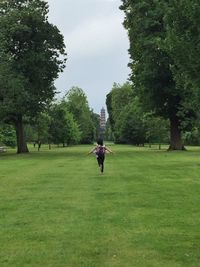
[57, 210]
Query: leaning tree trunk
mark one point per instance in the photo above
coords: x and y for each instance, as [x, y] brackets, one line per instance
[21, 143]
[175, 134]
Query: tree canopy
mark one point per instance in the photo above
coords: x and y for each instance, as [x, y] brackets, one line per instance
[30, 50]
[151, 64]
[77, 104]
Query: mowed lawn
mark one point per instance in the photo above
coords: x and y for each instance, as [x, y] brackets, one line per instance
[57, 210]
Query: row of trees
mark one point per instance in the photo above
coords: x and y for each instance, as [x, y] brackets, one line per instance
[129, 122]
[164, 50]
[164, 90]
[69, 121]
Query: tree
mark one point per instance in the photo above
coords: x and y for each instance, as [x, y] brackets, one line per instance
[41, 127]
[116, 101]
[38, 130]
[63, 128]
[130, 126]
[30, 49]
[126, 115]
[77, 104]
[110, 110]
[151, 64]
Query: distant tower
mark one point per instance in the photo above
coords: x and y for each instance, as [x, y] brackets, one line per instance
[102, 123]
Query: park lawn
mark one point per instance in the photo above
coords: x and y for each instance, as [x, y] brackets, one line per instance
[57, 210]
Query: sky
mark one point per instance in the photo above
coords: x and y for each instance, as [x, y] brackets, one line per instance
[96, 44]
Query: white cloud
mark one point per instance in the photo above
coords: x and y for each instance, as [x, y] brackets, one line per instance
[97, 36]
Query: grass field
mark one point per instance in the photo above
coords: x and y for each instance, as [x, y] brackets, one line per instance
[57, 210]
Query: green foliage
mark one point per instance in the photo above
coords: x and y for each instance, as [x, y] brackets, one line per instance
[157, 129]
[152, 63]
[39, 129]
[57, 126]
[109, 133]
[31, 134]
[96, 122]
[42, 127]
[77, 104]
[192, 137]
[126, 115]
[183, 41]
[130, 127]
[63, 128]
[30, 49]
[130, 123]
[33, 46]
[7, 135]
[116, 100]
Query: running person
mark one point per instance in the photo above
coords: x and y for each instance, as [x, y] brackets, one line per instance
[100, 151]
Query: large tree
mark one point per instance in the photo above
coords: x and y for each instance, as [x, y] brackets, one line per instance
[30, 49]
[151, 64]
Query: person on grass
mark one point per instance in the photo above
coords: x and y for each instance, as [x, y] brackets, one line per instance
[100, 151]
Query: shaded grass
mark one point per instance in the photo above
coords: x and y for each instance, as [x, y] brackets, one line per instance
[56, 209]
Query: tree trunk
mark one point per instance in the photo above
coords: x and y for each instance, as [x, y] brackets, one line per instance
[175, 135]
[21, 143]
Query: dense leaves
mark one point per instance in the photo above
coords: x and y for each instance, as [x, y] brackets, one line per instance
[130, 123]
[63, 128]
[30, 49]
[77, 104]
[7, 135]
[125, 115]
[183, 40]
[153, 65]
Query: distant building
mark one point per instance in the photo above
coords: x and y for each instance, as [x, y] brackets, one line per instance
[103, 119]
[102, 123]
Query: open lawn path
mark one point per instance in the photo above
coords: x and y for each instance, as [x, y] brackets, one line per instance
[58, 210]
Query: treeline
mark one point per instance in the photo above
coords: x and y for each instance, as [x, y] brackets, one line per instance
[67, 122]
[129, 123]
[164, 50]
[161, 102]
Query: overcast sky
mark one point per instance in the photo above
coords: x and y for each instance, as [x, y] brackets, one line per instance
[96, 44]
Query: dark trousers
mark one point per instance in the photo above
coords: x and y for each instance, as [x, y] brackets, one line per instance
[100, 161]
